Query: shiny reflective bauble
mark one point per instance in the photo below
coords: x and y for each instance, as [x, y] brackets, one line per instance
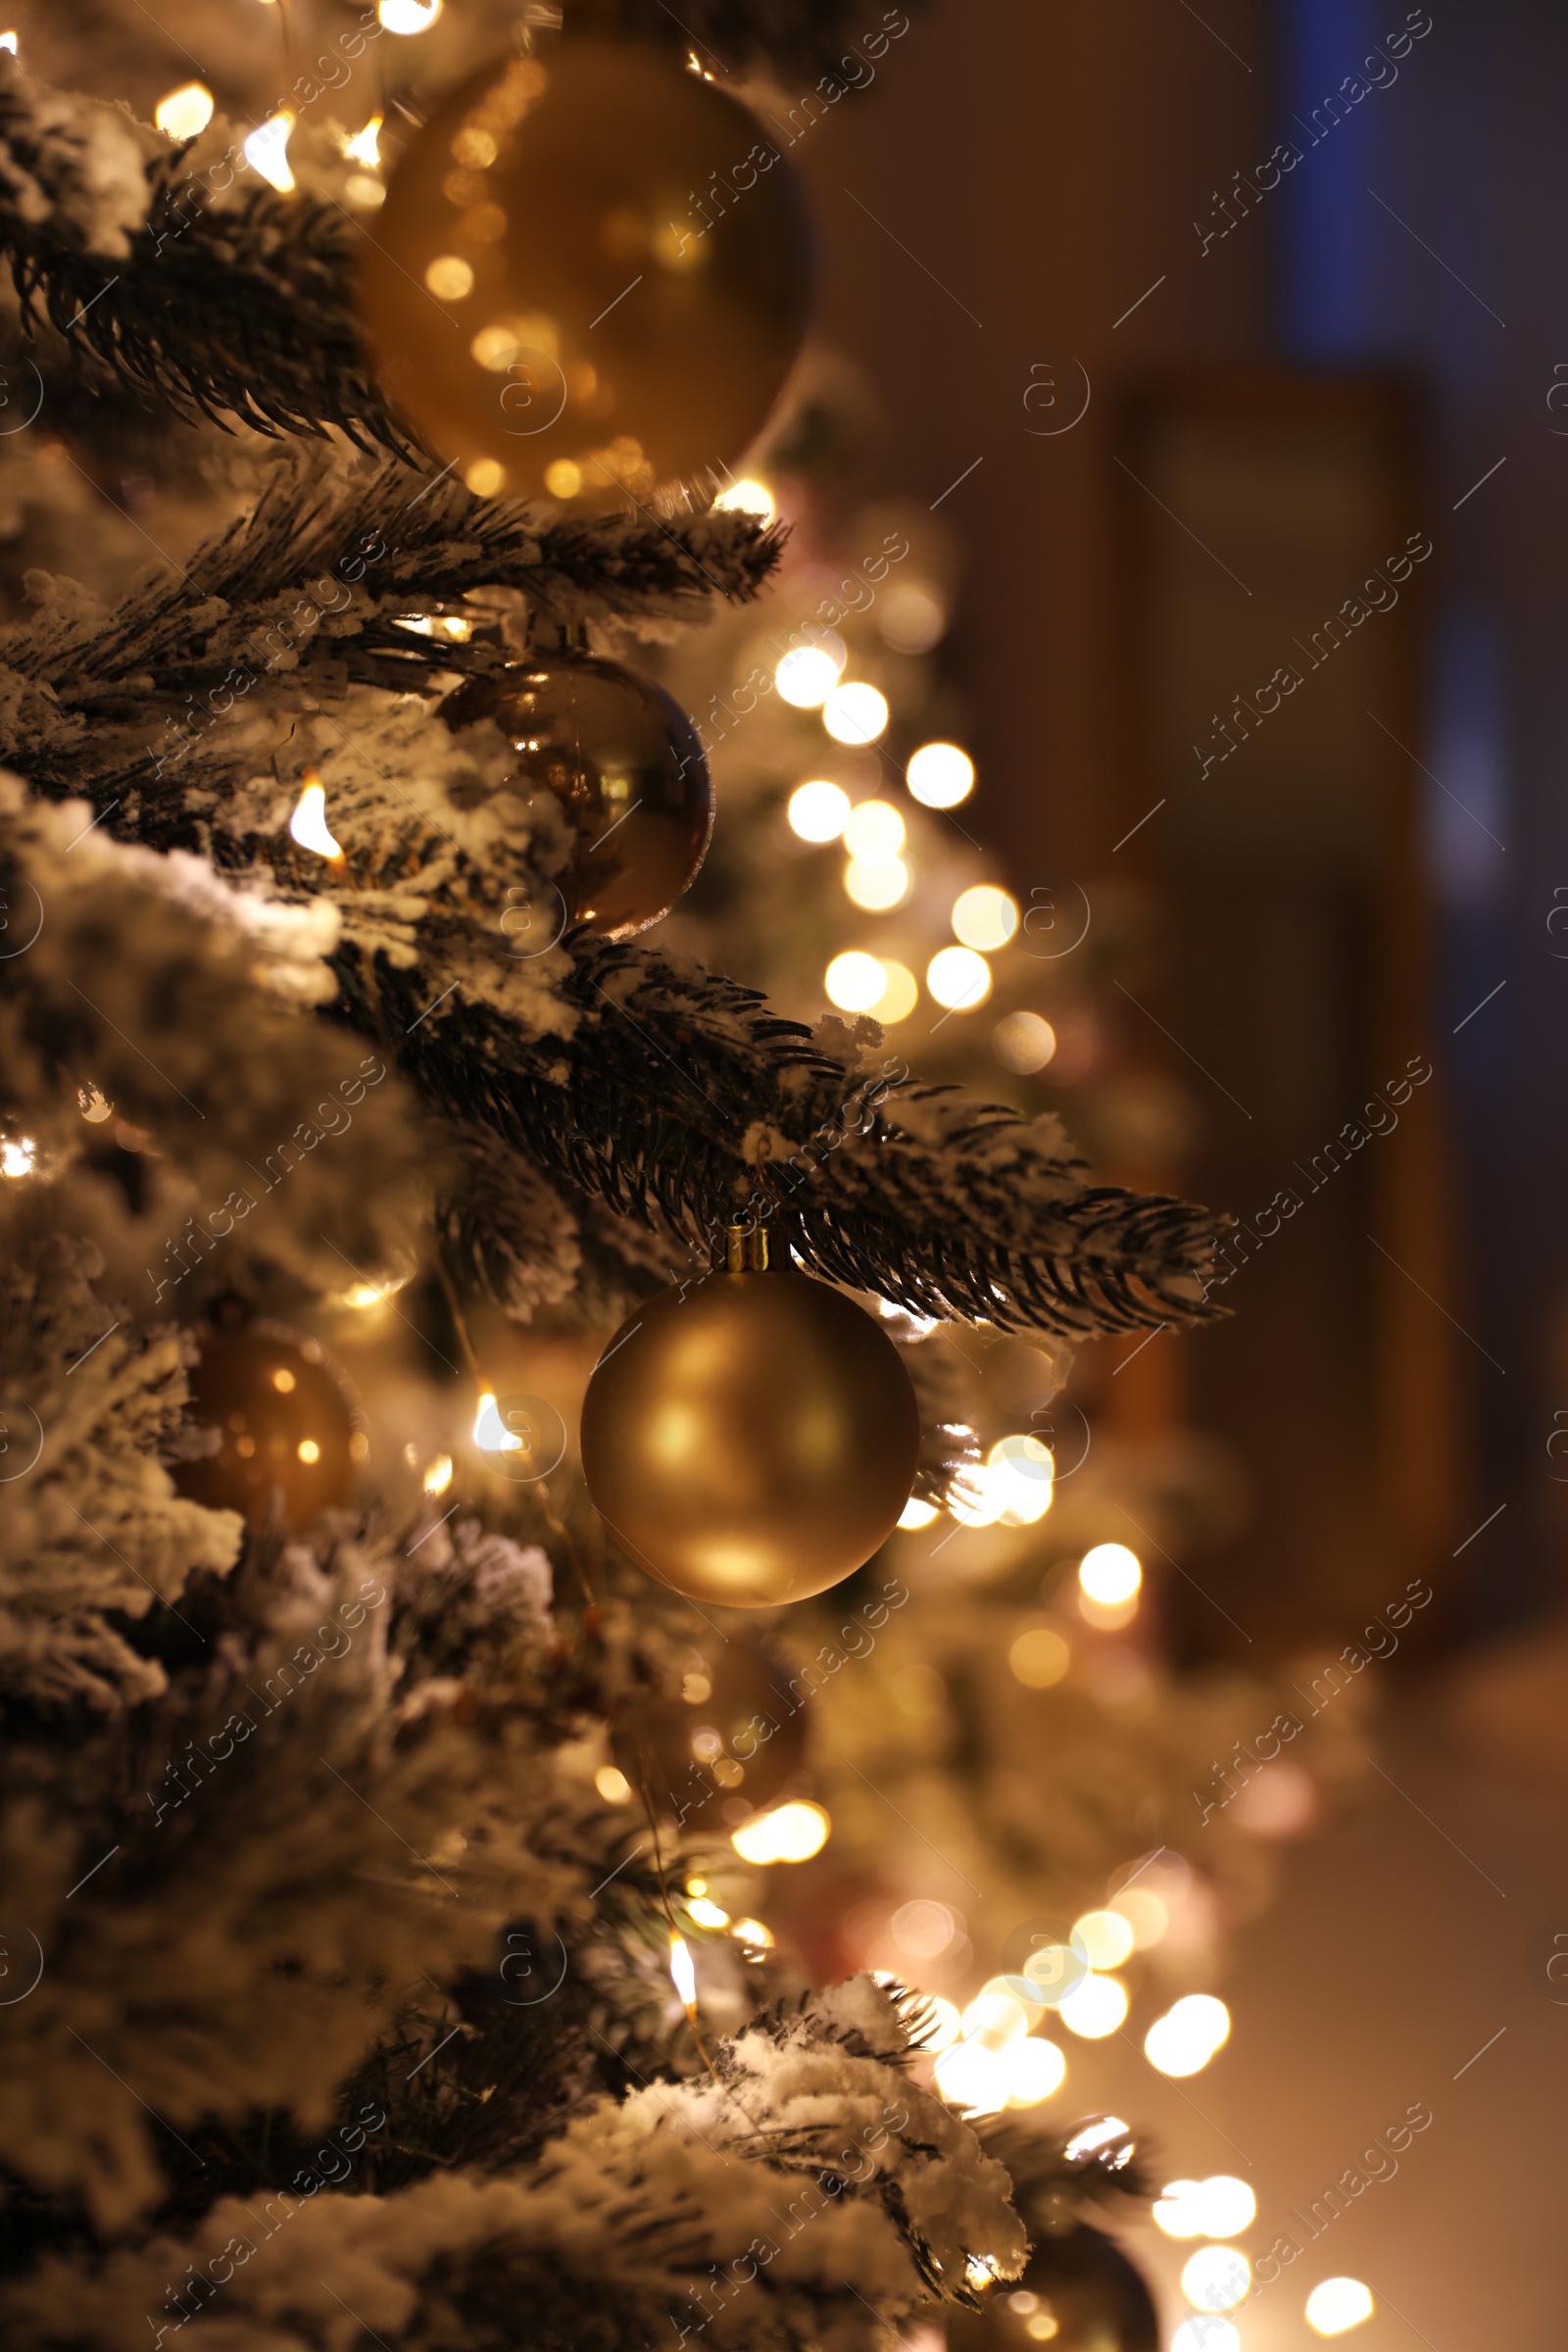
[626, 766]
[285, 1425]
[584, 279]
[1078, 2293]
[727, 1738]
[749, 1438]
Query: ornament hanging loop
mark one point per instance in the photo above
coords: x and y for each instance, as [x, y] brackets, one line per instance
[746, 1249]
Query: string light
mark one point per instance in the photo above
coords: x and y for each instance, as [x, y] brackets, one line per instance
[1205, 2333]
[308, 825]
[1093, 2008]
[18, 1153]
[853, 981]
[818, 810]
[970, 2077]
[917, 1512]
[756, 1934]
[365, 145]
[683, 1973]
[900, 993]
[911, 620]
[1020, 1473]
[438, 1475]
[874, 829]
[1144, 1913]
[1106, 1936]
[1335, 2304]
[958, 978]
[450, 277]
[748, 497]
[1217, 2278]
[182, 112]
[923, 1928]
[8, 40]
[705, 1912]
[490, 1433]
[408, 16]
[996, 2015]
[1185, 2039]
[612, 1785]
[877, 884]
[856, 714]
[1032, 2070]
[266, 152]
[940, 774]
[985, 917]
[791, 1832]
[942, 2027]
[1039, 1657]
[1109, 1574]
[808, 674]
[1023, 1042]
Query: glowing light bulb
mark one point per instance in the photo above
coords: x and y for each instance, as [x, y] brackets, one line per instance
[1187, 2037]
[490, 1433]
[818, 810]
[1217, 2278]
[917, 1512]
[1203, 2332]
[1023, 1042]
[958, 978]
[748, 497]
[995, 2017]
[1022, 1473]
[755, 1933]
[807, 676]
[8, 40]
[1031, 2070]
[853, 982]
[985, 917]
[181, 113]
[16, 1155]
[1039, 1657]
[612, 1785]
[856, 714]
[972, 2076]
[1106, 1936]
[942, 2026]
[1144, 1913]
[1178, 2209]
[1335, 2304]
[1226, 2206]
[308, 1451]
[266, 152]
[308, 824]
[791, 1832]
[682, 1974]
[707, 1912]
[1109, 1574]
[408, 16]
[941, 775]
[450, 278]
[364, 147]
[438, 1475]
[877, 883]
[900, 993]
[874, 829]
[1095, 2007]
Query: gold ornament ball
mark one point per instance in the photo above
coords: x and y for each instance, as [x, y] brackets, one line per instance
[725, 1740]
[284, 1422]
[751, 1439]
[590, 276]
[1078, 2293]
[626, 764]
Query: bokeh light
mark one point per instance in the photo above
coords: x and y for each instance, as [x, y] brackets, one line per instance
[1032, 2070]
[1106, 1936]
[853, 981]
[856, 714]
[807, 676]
[1187, 2037]
[900, 993]
[923, 1928]
[985, 917]
[612, 1785]
[1206, 2332]
[1217, 2278]
[408, 16]
[995, 2017]
[1335, 2304]
[184, 112]
[940, 2028]
[912, 619]
[917, 1512]
[958, 978]
[874, 829]
[972, 2076]
[266, 152]
[747, 497]
[818, 810]
[1020, 1473]
[1093, 2008]
[876, 883]
[940, 774]
[1023, 1042]
[1039, 1657]
[1109, 1574]
[791, 1832]
[1144, 1913]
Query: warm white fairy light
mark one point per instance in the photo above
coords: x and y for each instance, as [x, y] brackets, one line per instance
[756, 1934]
[791, 1832]
[1023, 1042]
[266, 151]
[1032, 2070]
[364, 146]
[408, 16]
[1020, 1473]
[972, 2076]
[1106, 1936]
[995, 2017]
[874, 829]
[853, 981]
[182, 113]
[818, 810]
[876, 884]
[308, 825]
[1110, 1574]
[807, 676]
[1217, 2278]
[748, 497]
[985, 917]
[490, 1433]
[940, 2025]
[683, 1973]
[613, 1784]
[958, 978]
[856, 714]
[941, 775]
[1335, 2304]
[1187, 2037]
[438, 1475]
[705, 1912]
[1093, 2008]
[8, 40]
[1039, 1657]
[1145, 1912]
[18, 1153]
[1203, 2331]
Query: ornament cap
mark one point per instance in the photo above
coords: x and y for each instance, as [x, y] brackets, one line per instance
[746, 1249]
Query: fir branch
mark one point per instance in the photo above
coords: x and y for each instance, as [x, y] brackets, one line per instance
[679, 1092]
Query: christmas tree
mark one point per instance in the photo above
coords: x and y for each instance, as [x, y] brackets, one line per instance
[350, 1993]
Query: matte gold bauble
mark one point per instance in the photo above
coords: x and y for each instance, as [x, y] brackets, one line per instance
[626, 766]
[283, 1419]
[590, 274]
[749, 1438]
[728, 1738]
